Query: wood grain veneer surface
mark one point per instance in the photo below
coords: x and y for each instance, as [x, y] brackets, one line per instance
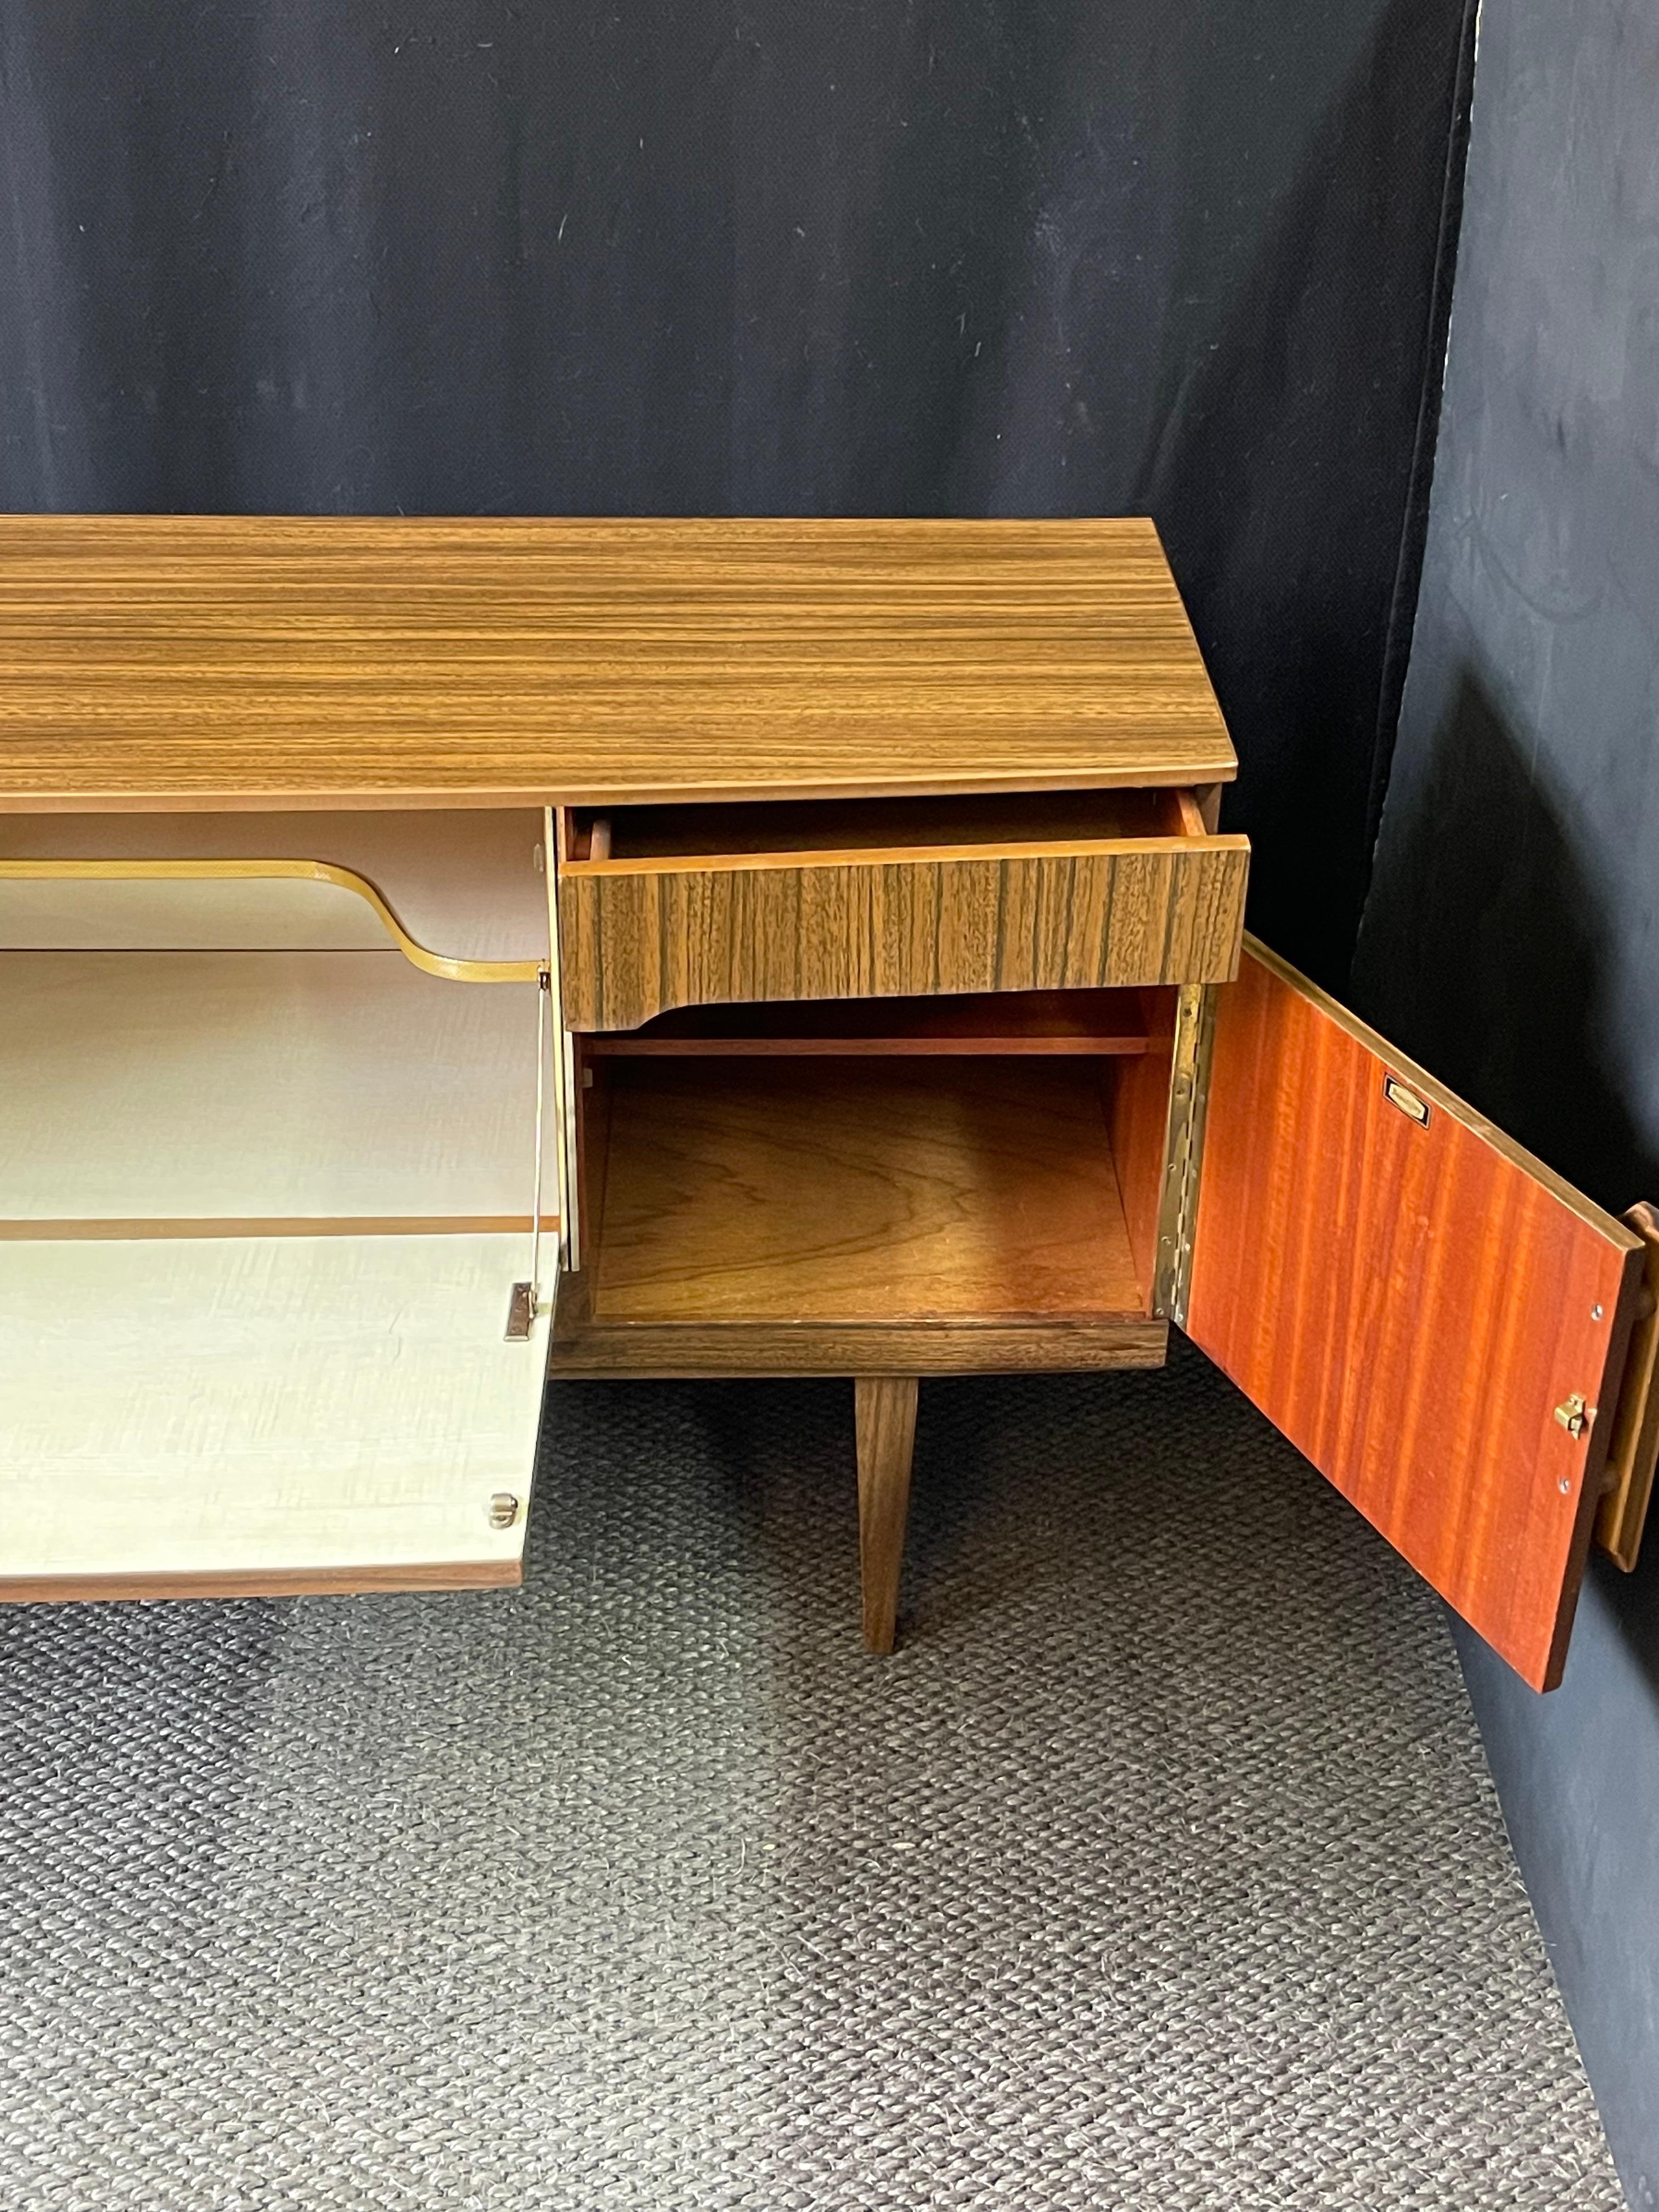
[1409, 1305]
[586, 1350]
[860, 1191]
[1634, 1446]
[1162, 910]
[1083, 1023]
[236, 661]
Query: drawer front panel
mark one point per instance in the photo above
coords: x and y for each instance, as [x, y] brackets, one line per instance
[638, 942]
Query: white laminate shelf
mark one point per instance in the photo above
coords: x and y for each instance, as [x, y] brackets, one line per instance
[260, 1088]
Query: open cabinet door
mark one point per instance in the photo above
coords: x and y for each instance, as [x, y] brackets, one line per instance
[1434, 1318]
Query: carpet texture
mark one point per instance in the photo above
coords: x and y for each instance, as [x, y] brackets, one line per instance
[1159, 1869]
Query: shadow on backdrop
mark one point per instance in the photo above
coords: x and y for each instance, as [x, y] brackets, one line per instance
[1486, 953]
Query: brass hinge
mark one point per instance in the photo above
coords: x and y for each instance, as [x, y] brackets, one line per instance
[522, 1310]
[1183, 1148]
[1574, 1415]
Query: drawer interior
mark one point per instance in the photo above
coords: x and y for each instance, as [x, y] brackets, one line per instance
[993, 822]
[891, 1172]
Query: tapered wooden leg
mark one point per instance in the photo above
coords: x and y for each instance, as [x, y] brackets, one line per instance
[884, 1414]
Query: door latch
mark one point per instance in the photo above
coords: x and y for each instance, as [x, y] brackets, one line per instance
[1574, 1415]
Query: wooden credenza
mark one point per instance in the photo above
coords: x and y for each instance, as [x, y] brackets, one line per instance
[439, 956]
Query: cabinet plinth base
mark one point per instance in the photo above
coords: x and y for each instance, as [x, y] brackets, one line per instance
[588, 1350]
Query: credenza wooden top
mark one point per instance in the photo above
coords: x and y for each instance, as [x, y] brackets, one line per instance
[201, 661]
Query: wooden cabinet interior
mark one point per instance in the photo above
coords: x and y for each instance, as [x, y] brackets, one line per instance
[770, 1190]
[902, 1188]
[1080, 1024]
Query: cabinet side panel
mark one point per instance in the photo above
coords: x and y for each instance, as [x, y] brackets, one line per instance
[1410, 1297]
[1138, 1117]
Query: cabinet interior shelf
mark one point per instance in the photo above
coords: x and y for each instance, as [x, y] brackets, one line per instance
[255, 1090]
[1078, 1024]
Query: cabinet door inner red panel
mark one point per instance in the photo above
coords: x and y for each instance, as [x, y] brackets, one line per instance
[1410, 1296]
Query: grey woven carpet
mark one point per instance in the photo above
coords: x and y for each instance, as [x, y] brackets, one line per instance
[1160, 1869]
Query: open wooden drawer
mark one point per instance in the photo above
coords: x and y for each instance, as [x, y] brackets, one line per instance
[261, 1213]
[663, 907]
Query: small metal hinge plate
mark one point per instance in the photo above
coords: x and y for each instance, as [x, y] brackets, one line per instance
[504, 1510]
[1574, 1415]
[522, 1313]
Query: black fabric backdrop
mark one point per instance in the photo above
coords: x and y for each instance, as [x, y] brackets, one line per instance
[1510, 938]
[1034, 256]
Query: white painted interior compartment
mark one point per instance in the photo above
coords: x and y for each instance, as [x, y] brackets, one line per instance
[465, 884]
[258, 1085]
[261, 1214]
